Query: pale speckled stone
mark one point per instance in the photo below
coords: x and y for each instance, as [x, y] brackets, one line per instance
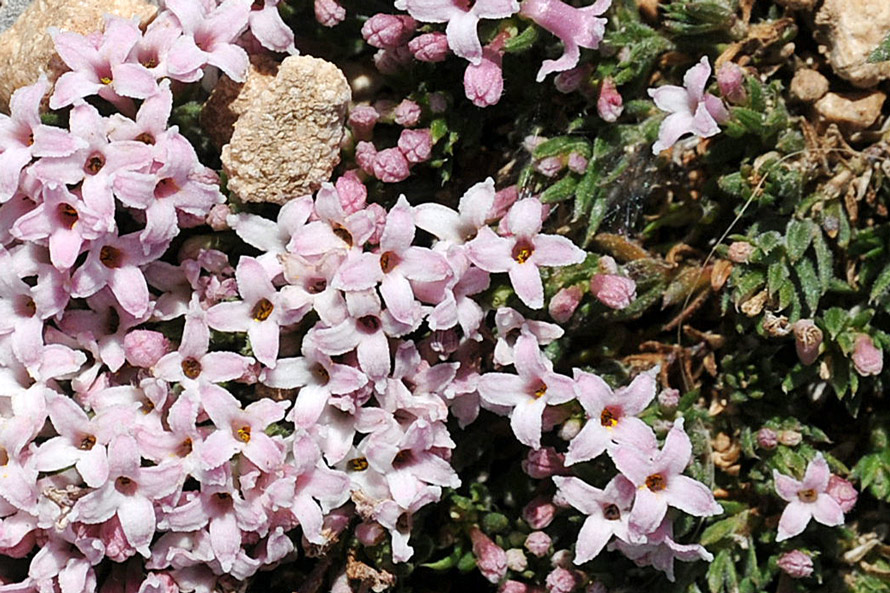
[851, 111]
[26, 48]
[286, 141]
[851, 30]
[808, 85]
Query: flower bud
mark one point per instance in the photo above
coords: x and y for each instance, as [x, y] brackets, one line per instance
[217, 217]
[143, 348]
[563, 304]
[731, 79]
[561, 580]
[796, 564]
[416, 145]
[615, 292]
[329, 12]
[739, 252]
[543, 463]
[352, 192]
[370, 534]
[767, 438]
[550, 166]
[539, 512]
[669, 398]
[391, 60]
[388, 30]
[790, 438]
[516, 560]
[570, 429]
[407, 113]
[610, 105]
[577, 163]
[570, 80]
[365, 156]
[430, 47]
[842, 492]
[484, 82]
[490, 557]
[391, 166]
[597, 587]
[538, 543]
[513, 587]
[867, 359]
[807, 339]
[503, 200]
[362, 121]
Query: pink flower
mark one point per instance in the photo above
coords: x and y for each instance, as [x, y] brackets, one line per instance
[867, 359]
[416, 145]
[607, 512]
[609, 105]
[268, 27]
[796, 564]
[660, 482]
[691, 110]
[843, 492]
[209, 35]
[484, 79]
[660, 550]
[462, 19]
[807, 499]
[329, 13]
[99, 66]
[524, 251]
[429, 47]
[614, 291]
[575, 27]
[529, 392]
[611, 416]
[388, 30]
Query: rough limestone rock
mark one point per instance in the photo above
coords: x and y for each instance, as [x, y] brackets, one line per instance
[286, 141]
[808, 85]
[26, 48]
[851, 111]
[851, 30]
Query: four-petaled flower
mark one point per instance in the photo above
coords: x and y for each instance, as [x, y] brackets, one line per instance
[807, 499]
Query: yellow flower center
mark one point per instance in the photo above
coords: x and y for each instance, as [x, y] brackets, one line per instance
[359, 464]
[656, 482]
[607, 418]
[262, 310]
[243, 434]
[809, 495]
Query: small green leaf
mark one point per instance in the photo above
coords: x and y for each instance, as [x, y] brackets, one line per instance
[777, 275]
[798, 237]
[723, 529]
[881, 285]
[560, 191]
[824, 259]
[835, 320]
[521, 42]
[881, 53]
[809, 283]
[563, 145]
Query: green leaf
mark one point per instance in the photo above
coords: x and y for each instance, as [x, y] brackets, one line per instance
[835, 320]
[750, 120]
[721, 574]
[523, 41]
[563, 145]
[777, 275]
[723, 529]
[798, 237]
[824, 259]
[809, 283]
[560, 191]
[881, 285]
[881, 53]
[768, 241]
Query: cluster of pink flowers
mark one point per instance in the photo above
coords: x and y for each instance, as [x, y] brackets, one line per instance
[414, 146]
[394, 35]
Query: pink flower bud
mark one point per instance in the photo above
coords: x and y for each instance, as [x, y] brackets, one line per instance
[362, 121]
[561, 580]
[392, 60]
[790, 438]
[407, 113]
[217, 218]
[796, 564]
[430, 47]
[390, 166]
[513, 587]
[388, 30]
[543, 463]
[615, 292]
[143, 348]
[767, 438]
[550, 166]
[739, 252]
[563, 304]
[353, 193]
[370, 534]
[867, 359]
[807, 339]
[610, 105]
[570, 429]
[539, 513]
[731, 79]
[366, 156]
[490, 557]
[571, 80]
[577, 163]
[329, 12]
[378, 213]
[516, 560]
[669, 398]
[416, 145]
[842, 492]
[538, 543]
[484, 82]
